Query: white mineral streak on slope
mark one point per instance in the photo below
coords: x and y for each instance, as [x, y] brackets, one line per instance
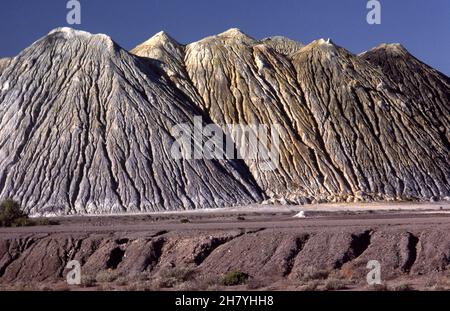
[327, 42]
[5, 86]
[260, 64]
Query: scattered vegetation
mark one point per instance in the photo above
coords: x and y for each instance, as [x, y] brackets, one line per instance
[141, 287]
[234, 278]
[123, 281]
[172, 277]
[88, 281]
[185, 221]
[201, 283]
[11, 215]
[179, 274]
[106, 276]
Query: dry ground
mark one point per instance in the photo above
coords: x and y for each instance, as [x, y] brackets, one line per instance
[327, 250]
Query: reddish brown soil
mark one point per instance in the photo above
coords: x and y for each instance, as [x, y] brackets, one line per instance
[195, 251]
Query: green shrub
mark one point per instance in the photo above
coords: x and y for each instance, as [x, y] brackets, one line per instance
[11, 215]
[181, 274]
[185, 221]
[234, 278]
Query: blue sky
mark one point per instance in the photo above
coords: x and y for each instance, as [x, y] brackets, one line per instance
[421, 26]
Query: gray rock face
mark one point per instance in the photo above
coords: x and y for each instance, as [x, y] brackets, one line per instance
[85, 126]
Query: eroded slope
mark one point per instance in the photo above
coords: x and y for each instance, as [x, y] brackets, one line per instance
[429, 89]
[85, 128]
[350, 130]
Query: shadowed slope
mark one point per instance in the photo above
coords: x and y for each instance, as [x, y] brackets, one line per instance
[350, 132]
[428, 88]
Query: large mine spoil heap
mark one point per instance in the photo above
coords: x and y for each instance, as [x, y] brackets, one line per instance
[85, 125]
[85, 129]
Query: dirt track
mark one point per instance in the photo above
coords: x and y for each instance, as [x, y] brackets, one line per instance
[327, 249]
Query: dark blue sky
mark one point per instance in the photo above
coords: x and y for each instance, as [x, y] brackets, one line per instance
[422, 26]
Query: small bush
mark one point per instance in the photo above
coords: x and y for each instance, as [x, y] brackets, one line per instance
[201, 283]
[11, 215]
[185, 221]
[234, 278]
